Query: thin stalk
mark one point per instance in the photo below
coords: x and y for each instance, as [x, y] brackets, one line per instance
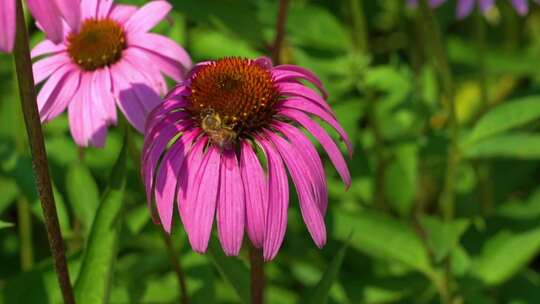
[24, 224]
[280, 31]
[436, 47]
[177, 267]
[482, 169]
[171, 251]
[257, 275]
[359, 25]
[23, 66]
[447, 198]
[380, 155]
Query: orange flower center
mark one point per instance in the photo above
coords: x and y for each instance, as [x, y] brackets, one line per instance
[99, 43]
[232, 97]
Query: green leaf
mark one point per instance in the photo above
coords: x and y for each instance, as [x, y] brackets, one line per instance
[5, 224]
[513, 145]
[506, 116]
[93, 283]
[319, 294]
[443, 237]
[83, 194]
[9, 190]
[505, 254]
[233, 271]
[382, 237]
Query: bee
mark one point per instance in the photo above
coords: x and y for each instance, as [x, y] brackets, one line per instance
[217, 130]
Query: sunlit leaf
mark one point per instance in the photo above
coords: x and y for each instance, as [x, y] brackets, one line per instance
[512, 145]
[93, 282]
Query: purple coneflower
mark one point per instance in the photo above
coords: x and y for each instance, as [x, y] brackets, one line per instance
[465, 7]
[48, 13]
[225, 136]
[110, 60]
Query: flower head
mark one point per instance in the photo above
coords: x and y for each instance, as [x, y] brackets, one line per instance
[109, 60]
[50, 15]
[465, 7]
[224, 137]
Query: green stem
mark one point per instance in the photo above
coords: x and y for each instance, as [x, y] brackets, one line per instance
[171, 251]
[359, 25]
[25, 234]
[257, 275]
[482, 169]
[380, 155]
[447, 198]
[23, 66]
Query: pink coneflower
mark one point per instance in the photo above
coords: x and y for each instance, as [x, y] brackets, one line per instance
[214, 132]
[465, 7]
[48, 13]
[111, 60]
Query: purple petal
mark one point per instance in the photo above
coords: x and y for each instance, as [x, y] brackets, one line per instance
[7, 24]
[521, 6]
[295, 89]
[287, 72]
[306, 151]
[122, 12]
[89, 8]
[46, 47]
[104, 8]
[303, 105]
[201, 200]
[256, 193]
[45, 67]
[230, 208]
[278, 201]
[48, 16]
[71, 11]
[148, 16]
[103, 95]
[325, 140]
[57, 92]
[464, 8]
[298, 170]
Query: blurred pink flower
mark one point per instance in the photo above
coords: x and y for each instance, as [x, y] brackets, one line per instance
[214, 132]
[48, 13]
[111, 61]
[465, 7]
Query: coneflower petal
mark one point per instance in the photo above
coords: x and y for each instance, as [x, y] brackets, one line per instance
[296, 89]
[256, 194]
[324, 139]
[287, 72]
[47, 15]
[60, 87]
[46, 66]
[231, 205]
[8, 25]
[278, 201]
[298, 169]
[148, 16]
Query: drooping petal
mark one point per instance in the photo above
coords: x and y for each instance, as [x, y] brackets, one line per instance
[298, 170]
[325, 140]
[200, 205]
[287, 72]
[303, 105]
[278, 201]
[103, 94]
[486, 5]
[104, 8]
[296, 89]
[166, 180]
[48, 16]
[306, 151]
[49, 94]
[122, 12]
[71, 11]
[89, 8]
[55, 106]
[230, 207]
[256, 194]
[148, 16]
[7, 24]
[138, 59]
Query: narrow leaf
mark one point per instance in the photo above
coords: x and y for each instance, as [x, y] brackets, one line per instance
[233, 271]
[82, 193]
[5, 224]
[513, 145]
[506, 116]
[92, 285]
[319, 294]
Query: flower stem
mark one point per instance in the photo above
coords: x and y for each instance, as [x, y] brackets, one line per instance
[23, 66]
[360, 36]
[257, 275]
[280, 32]
[177, 267]
[171, 251]
[447, 198]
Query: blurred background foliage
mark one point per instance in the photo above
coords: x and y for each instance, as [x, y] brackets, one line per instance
[372, 57]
